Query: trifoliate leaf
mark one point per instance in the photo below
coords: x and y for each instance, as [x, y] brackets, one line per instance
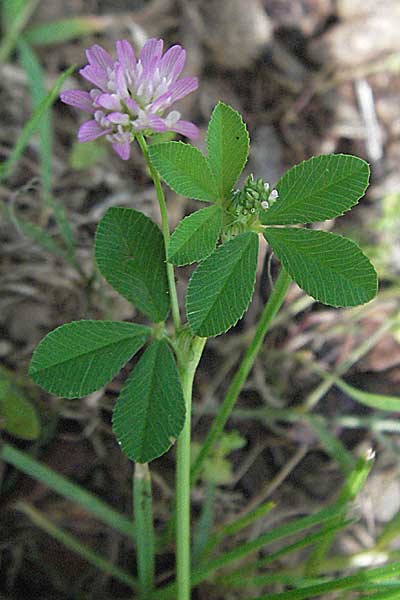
[80, 357]
[317, 189]
[185, 170]
[130, 254]
[196, 236]
[150, 411]
[330, 268]
[227, 147]
[221, 287]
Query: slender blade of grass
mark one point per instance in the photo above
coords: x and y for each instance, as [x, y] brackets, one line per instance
[66, 488]
[361, 579]
[73, 544]
[32, 125]
[15, 27]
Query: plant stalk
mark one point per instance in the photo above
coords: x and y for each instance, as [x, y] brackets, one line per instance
[187, 370]
[271, 308]
[145, 542]
[165, 229]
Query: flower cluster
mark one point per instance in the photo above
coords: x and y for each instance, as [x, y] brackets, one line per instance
[255, 195]
[132, 95]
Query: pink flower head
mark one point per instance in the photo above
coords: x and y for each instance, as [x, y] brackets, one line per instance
[131, 95]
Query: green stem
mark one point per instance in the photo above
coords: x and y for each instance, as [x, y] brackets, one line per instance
[74, 545]
[187, 369]
[271, 308]
[165, 229]
[145, 543]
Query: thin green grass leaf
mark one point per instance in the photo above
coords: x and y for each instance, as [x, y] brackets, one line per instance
[352, 486]
[38, 92]
[243, 578]
[32, 125]
[64, 30]
[390, 532]
[238, 524]
[67, 488]
[10, 10]
[332, 444]
[17, 20]
[351, 582]
[36, 234]
[73, 544]
[377, 401]
[207, 569]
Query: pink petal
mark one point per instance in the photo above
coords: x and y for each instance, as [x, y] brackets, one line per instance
[123, 149]
[132, 106]
[186, 128]
[79, 99]
[121, 82]
[178, 90]
[95, 75]
[109, 101]
[150, 51]
[90, 131]
[96, 55]
[126, 56]
[156, 123]
[172, 63]
[118, 118]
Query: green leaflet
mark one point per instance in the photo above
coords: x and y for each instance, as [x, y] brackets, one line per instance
[18, 416]
[330, 268]
[130, 254]
[80, 357]
[196, 236]
[221, 287]
[185, 170]
[150, 411]
[317, 189]
[227, 147]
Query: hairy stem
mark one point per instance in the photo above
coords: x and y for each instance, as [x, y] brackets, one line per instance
[187, 369]
[271, 308]
[143, 512]
[165, 229]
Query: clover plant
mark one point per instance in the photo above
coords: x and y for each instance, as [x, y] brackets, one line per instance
[129, 103]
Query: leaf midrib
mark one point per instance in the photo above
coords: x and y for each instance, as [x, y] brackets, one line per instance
[282, 208]
[224, 285]
[80, 355]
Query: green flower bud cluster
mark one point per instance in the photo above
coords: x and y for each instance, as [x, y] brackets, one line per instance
[253, 197]
[246, 204]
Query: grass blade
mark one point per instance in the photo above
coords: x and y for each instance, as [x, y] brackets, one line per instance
[28, 465]
[70, 542]
[17, 24]
[65, 30]
[361, 579]
[32, 125]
